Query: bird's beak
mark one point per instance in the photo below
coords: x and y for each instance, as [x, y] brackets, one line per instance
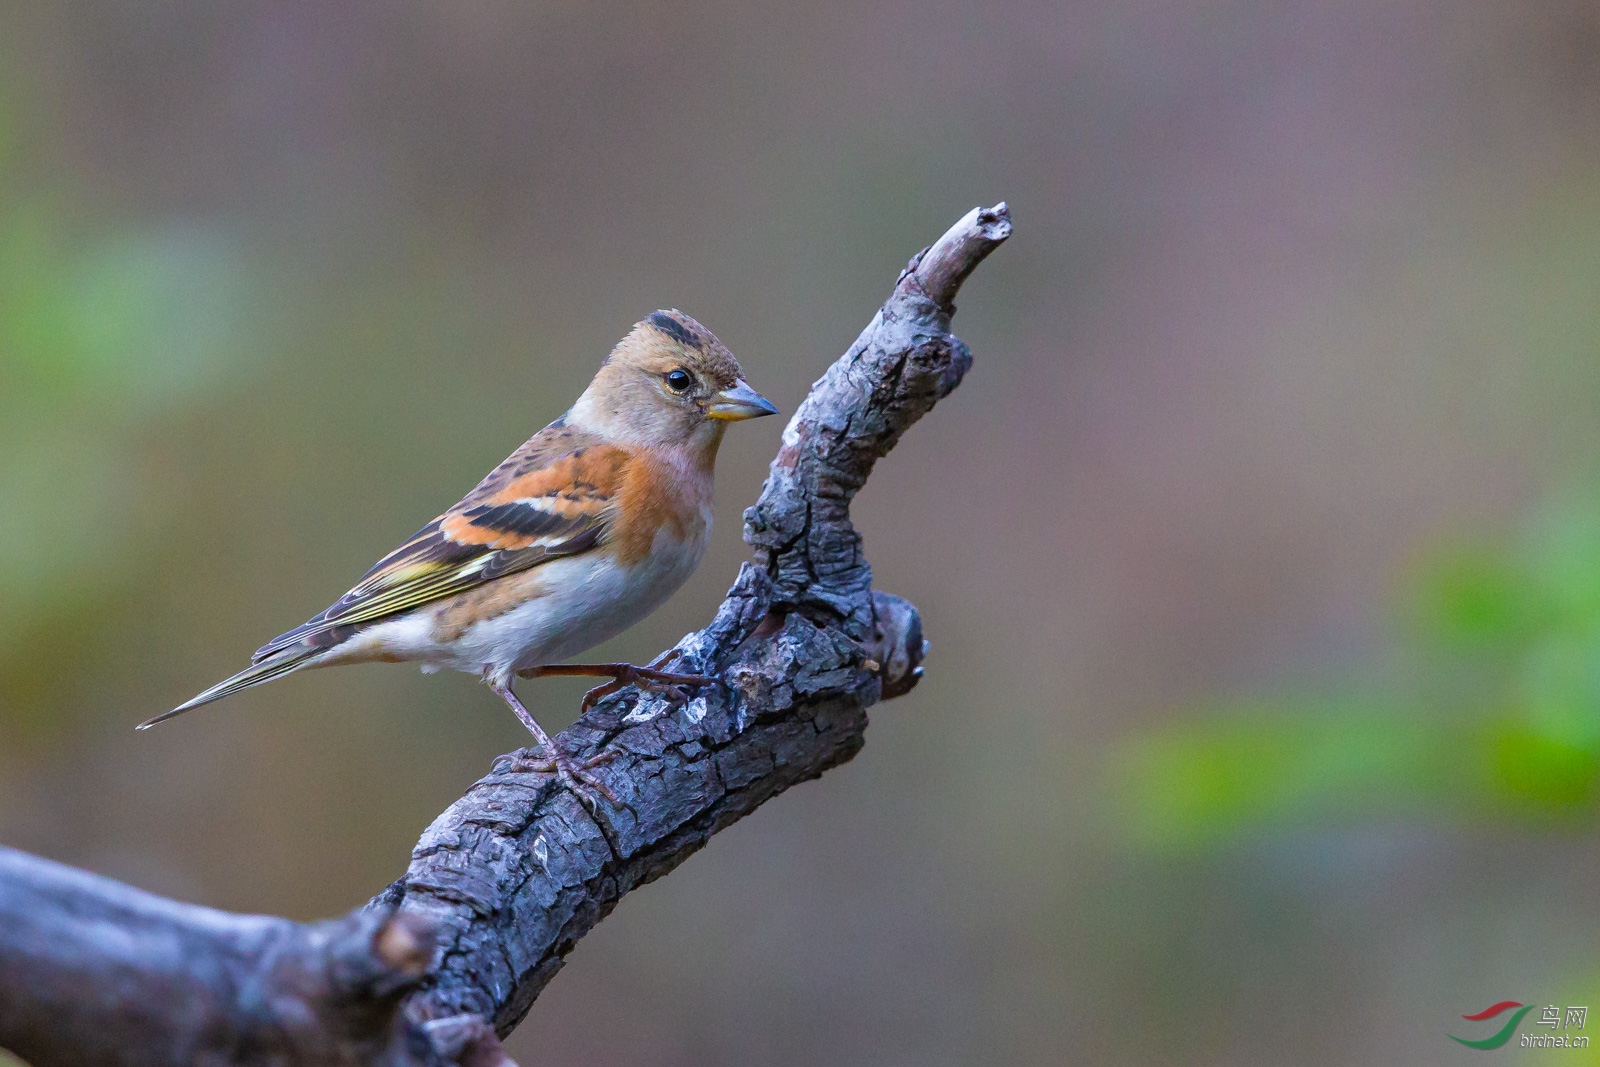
[739, 403]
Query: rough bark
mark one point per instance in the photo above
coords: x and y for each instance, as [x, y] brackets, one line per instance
[505, 881]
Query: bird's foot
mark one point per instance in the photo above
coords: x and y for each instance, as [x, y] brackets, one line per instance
[574, 773]
[649, 679]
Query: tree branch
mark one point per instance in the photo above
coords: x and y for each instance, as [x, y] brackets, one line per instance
[505, 881]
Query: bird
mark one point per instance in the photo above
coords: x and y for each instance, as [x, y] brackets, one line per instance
[580, 533]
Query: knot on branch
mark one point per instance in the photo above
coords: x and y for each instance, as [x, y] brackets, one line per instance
[897, 646]
[466, 1041]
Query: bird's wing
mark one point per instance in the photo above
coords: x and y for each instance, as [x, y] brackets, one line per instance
[553, 497]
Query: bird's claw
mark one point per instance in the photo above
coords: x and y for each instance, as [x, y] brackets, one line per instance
[674, 686]
[574, 773]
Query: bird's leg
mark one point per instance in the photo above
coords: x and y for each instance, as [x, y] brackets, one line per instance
[623, 674]
[574, 773]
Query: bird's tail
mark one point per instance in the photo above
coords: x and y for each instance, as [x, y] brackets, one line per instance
[276, 665]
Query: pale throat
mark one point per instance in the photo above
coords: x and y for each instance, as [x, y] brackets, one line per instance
[694, 460]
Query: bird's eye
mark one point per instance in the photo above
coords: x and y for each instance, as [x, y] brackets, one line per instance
[679, 380]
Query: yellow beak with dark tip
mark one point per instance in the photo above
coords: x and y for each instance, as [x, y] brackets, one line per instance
[739, 403]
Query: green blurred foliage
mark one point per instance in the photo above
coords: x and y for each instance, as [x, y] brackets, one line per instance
[103, 332]
[1491, 712]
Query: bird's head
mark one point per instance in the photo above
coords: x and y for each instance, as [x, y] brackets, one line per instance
[669, 383]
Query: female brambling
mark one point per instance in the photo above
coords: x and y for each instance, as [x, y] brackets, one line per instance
[579, 534]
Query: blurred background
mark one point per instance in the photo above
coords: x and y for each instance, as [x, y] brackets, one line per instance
[1260, 552]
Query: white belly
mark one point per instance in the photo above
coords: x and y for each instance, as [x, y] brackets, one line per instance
[583, 601]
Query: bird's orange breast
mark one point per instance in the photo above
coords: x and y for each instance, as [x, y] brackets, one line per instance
[657, 494]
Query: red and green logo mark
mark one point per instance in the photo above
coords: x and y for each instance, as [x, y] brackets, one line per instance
[1503, 1035]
